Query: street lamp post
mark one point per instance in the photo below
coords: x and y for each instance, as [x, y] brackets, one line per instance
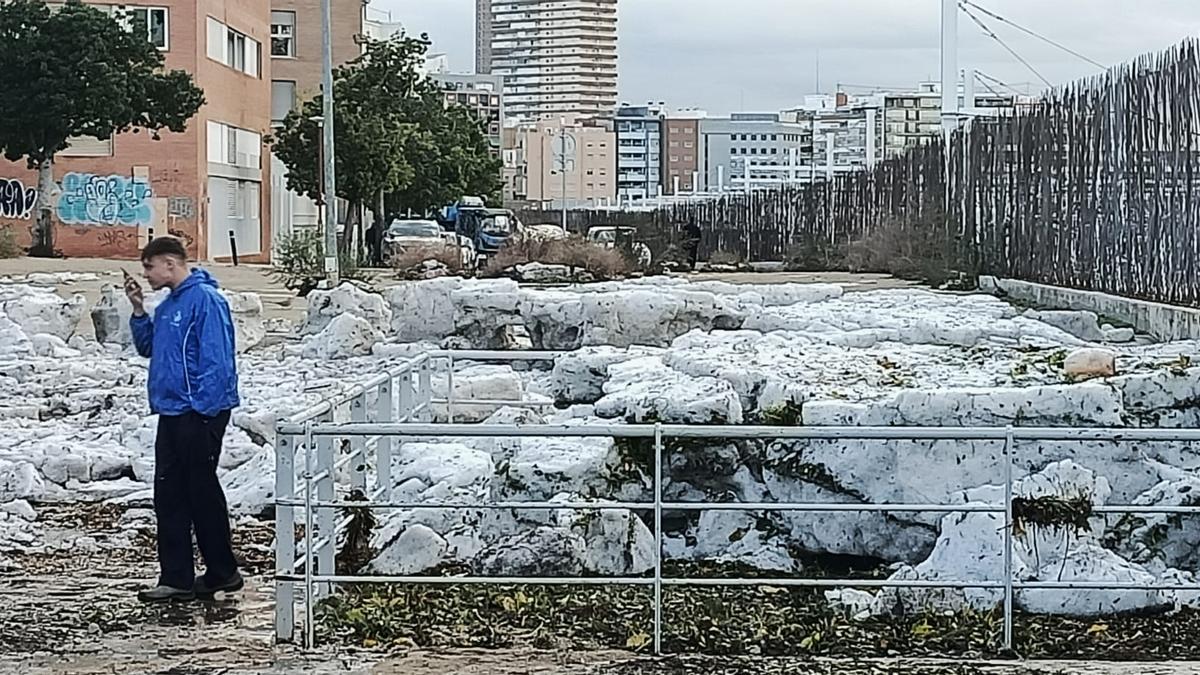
[327, 159]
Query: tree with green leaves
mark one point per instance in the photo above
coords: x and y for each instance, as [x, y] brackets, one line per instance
[76, 71]
[394, 137]
[456, 158]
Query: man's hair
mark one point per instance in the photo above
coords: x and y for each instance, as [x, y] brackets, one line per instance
[165, 246]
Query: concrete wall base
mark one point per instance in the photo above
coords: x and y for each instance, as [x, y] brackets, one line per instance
[1163, 322]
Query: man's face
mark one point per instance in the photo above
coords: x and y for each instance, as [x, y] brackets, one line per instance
[160, 270]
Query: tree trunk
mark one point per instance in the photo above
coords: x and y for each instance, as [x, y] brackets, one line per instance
[42, 245]
[349, 244]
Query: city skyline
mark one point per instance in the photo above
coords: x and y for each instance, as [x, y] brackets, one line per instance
[692, 53]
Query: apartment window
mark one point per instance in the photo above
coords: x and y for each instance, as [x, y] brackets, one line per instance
[283, 34]
[688, 144]
[283, 99]
[688, 158]
[774, 137]
[674, 144]
[148, 21]
[674, 158]
[234, 49]
[88, 146]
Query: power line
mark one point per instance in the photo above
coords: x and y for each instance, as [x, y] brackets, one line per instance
[992, 34]
[984, 76]
[988, 86]
[1035, 34]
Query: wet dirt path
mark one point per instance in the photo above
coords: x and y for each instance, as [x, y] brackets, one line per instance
[74, 611]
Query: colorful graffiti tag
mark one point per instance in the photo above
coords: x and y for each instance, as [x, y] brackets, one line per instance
[16, 200]
[89, 199]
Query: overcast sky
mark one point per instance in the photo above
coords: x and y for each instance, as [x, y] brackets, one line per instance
[724, 55]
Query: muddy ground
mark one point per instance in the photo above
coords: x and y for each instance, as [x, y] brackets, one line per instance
[76, 612]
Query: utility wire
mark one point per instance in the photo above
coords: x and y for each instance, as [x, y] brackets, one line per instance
[992, 34]
[988, 86]
[984, 76]
[1035, 34]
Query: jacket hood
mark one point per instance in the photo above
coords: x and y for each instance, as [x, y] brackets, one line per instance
[196, 278]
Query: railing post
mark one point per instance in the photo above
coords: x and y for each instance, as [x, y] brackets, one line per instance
[425, 389]
[658, 537]
[450, 391]
[385, 412]
[358, 454]
[1008, 538]
[285, 537]
[310, 558]
[325, 516]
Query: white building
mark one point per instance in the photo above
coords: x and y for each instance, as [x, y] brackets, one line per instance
[639, 132]
[756, 149]
[557, 57]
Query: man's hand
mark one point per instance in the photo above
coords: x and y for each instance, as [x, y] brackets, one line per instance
[133, 291]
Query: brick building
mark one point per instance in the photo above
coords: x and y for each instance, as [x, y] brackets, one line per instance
[199, 185]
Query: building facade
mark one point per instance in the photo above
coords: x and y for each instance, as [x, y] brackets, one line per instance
[204, 185]
[681, 151]
[557, 160]
[639, 152]
[296, 61]
[296, 68]
[557, 57]
[757, 147]
[483, 95]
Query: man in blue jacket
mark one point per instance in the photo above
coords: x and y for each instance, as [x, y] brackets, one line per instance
[193, 386]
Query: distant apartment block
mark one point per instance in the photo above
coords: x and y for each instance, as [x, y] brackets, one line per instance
[204, 185]
[681, 151]
[481, 94]
[639, 152]
[913, 118]
[557, 57]
[758, 147]
[552, 161]
[296, 67]
[296, 47]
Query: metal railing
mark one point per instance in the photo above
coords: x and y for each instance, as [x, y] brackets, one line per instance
[403, 417]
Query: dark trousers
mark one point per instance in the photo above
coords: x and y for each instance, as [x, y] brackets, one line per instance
[188, 495]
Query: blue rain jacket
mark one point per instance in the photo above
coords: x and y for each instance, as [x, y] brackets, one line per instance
[190, 342]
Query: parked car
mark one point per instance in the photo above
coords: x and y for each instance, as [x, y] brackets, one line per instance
[404, 236]
[544, 232]
[625, 239]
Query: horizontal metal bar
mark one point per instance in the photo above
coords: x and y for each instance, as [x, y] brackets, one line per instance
[841, 507]
[834, 583]
[533, 506]
[749, 432]
[477, 430]
[1131, 508]
[667, 506]
[642, 581]
[539, 581]
[462, 402]
[486, 355]
[342, 398]
[1102, 586]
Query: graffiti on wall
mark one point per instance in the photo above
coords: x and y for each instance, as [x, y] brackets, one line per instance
[16, 200]
[181, 207]
[90, 199]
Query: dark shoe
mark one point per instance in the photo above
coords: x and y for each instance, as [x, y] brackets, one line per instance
[202, 588]
[166, 594]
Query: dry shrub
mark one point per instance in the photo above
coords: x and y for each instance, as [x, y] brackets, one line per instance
[575, 252]
[725, 258]
[407, 260]
[917, 250]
